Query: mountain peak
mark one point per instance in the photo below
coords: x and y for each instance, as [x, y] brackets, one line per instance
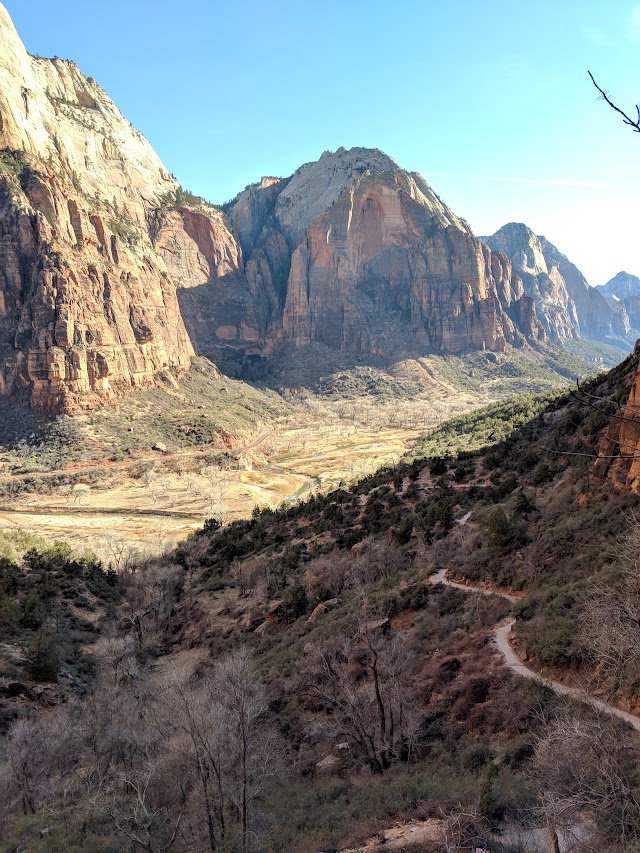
[317, 186]
[623, 284]
[522, 246]
[359, 157]
[565, 303]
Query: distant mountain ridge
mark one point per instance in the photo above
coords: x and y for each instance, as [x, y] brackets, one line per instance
[111, 276]
[620, 287]
[566, 304]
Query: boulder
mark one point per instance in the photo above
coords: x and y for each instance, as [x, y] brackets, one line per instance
[321, 608]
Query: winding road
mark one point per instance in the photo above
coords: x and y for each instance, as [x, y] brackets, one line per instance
[501, 634]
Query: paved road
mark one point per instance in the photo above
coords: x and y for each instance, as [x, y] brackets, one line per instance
[501, 635]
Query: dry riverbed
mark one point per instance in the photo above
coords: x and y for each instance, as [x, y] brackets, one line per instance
[128, 514]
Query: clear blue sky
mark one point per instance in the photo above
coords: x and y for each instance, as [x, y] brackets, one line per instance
[490, 101]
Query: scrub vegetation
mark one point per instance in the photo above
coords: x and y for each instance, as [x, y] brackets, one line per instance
[295, 682]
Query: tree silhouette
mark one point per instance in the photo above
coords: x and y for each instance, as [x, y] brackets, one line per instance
[634, 124]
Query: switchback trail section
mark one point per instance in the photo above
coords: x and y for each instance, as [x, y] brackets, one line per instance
[501, 634]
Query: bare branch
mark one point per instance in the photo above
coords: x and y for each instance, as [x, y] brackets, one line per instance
[559, 452]
[627, 120]
[614, 416]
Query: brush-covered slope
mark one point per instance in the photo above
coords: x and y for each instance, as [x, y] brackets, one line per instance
[94, 239]
[620, 447]
[372, 695]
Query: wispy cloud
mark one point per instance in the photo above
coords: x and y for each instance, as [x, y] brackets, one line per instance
[557, 182]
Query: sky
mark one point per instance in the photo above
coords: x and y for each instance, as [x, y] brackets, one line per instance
[490, 100]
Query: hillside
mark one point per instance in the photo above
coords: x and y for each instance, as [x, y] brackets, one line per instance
[378, 691]
[138, 478]
[351, 544]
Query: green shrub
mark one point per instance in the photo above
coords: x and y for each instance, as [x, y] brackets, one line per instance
[437, 467]
[33, 611]
[502, 533]
[42, 656]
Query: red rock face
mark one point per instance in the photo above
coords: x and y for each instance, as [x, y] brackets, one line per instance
[100, 270]
[82, 322]
[620, 447]
[356, 254]
[88, 308]
[196, 245]
[376, 271]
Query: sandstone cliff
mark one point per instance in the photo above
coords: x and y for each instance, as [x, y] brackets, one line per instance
[566, 305]
[105, 262]
[88, 304]
[355, 253]
[622, 293]
[619, 451]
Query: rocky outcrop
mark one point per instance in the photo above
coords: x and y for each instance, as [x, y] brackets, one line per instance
[622, 293]
[565, 303]
[196, 245]
[105, 261]
[354, 253]
[88, 307]
[620, 287]
[619, 451]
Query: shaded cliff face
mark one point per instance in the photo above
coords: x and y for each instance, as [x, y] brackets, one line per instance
[88, 306]
[622, 293]
[357, 254]
[565, 303]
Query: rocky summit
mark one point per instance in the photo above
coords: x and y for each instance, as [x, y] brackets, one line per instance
[354, 253]
[566, 305]
[360, 255]
[621, 286]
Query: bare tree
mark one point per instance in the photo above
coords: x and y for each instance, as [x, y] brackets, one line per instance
[611, 617]
[249, 745]
[121, 554]
[585, 766]
[364, 681]
[151, 592]
[119, 731]
[154, 484]
[220, 750]
[214, 494]
[39, 752]
[136, 817]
